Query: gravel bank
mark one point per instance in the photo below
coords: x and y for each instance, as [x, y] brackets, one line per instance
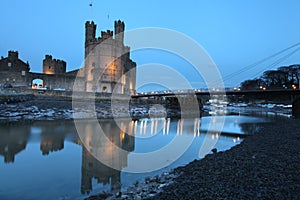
[49, 109]
[55, 110]
[265, 165]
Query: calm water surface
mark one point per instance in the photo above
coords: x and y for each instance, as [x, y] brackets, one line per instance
[47, 160]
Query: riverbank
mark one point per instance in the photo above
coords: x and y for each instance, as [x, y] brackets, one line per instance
[34, 110]
[24, 109]
[52, 109]
[266, 165]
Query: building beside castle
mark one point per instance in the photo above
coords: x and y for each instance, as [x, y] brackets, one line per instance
[107, 66]
[16, 73]
[13, 70]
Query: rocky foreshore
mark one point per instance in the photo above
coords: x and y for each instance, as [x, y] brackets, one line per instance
[55, 110]
[266, 165]
[25, 107]
[48, 109]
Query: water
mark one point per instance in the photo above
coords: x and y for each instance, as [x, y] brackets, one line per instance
[50, 160]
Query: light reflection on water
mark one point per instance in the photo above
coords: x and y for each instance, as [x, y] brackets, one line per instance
[46, 160]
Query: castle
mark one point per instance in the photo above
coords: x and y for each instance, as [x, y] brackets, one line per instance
[107, 66]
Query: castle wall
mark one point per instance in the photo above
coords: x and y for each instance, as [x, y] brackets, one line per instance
[53, 81]
[14, 78]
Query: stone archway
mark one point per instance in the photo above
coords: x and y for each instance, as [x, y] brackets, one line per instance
[37, 83]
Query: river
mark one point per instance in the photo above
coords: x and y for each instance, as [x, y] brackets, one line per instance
[72, 160]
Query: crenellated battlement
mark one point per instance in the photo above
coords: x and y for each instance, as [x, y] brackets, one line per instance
[116, 35]
[106, 34]
[90, 31]
[13, 55]
[49, 58]
[119, 27]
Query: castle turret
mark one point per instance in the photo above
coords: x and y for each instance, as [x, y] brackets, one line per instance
[13, 55]
[53, 66]
[90, 31]
[119, 31]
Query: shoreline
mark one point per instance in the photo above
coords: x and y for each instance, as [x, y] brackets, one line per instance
[264, 165]
[49, 110]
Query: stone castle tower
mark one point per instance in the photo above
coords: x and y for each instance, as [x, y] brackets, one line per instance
[53, 66]
[108, 67]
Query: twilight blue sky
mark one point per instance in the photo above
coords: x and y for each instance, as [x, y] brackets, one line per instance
[235, 33]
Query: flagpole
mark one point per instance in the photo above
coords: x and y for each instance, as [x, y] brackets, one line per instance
[107, 21]
[91, 12]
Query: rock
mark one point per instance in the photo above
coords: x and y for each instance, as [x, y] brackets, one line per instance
[214, 150]
[124, 196]
[147, 179]
[136, 183]
[151, 195]
[161, 186]
[118, 194]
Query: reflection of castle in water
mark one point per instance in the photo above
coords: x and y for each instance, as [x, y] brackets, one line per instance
[93, 168]
[52, 138]
[13, 140]
[106, 150]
